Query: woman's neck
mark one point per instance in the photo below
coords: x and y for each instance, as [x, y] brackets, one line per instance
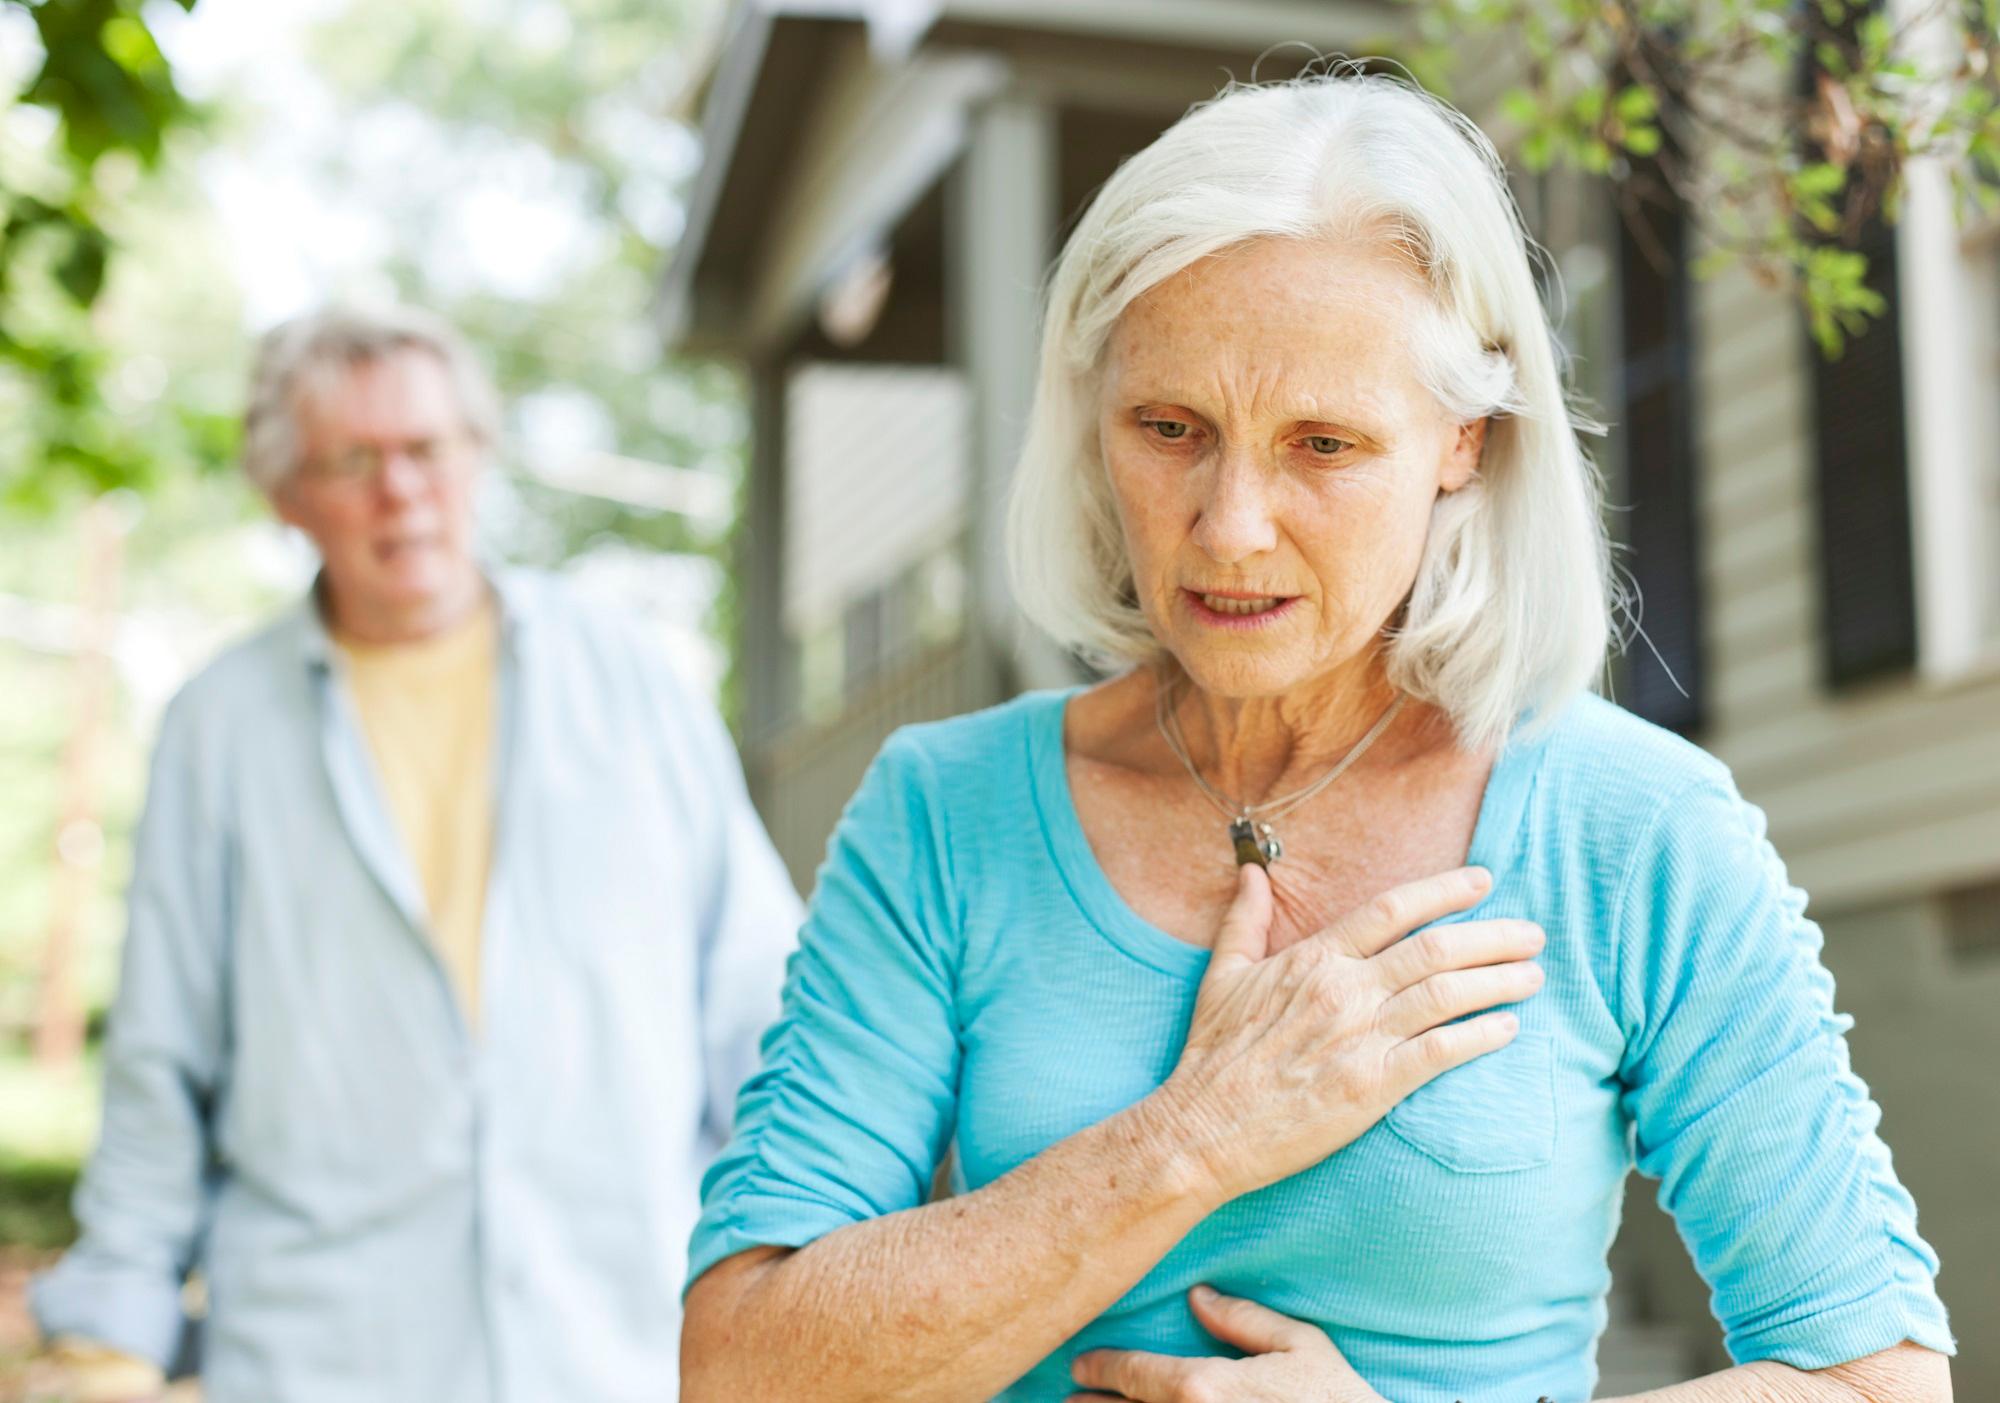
[1252, 748]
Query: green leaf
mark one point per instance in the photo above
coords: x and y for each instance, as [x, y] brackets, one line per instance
[1636, 104]
[129, 44]
[81, 272]
[1821, 179]
[1521, 107]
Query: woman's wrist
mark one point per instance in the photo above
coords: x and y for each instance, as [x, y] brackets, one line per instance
[1174, 1138]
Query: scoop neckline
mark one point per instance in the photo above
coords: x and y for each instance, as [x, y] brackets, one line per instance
[1495, 835]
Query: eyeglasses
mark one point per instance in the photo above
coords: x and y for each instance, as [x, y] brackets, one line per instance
[363, 462]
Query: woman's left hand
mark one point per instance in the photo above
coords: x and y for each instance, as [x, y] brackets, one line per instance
[1290, 1362]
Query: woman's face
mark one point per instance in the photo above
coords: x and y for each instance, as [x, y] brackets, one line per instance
[1275, 458]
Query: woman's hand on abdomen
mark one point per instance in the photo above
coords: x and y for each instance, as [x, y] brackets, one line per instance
[1286, 1360]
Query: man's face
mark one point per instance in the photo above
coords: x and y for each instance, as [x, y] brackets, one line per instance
[384, 488]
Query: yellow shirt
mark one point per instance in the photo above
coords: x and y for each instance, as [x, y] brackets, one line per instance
[427, 710]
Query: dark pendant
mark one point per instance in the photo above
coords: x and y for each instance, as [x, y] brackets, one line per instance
[1251, 846]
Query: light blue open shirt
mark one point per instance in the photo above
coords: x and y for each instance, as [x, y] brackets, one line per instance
[968, 976]
[384, 1206]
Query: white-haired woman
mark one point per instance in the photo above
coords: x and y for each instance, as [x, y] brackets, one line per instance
[1341, 954]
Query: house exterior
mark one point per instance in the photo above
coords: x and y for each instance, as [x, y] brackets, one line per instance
[1818, 545]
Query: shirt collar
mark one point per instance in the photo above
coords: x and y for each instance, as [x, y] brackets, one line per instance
[316, 646]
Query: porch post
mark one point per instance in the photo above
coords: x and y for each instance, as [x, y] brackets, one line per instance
[1001, 220]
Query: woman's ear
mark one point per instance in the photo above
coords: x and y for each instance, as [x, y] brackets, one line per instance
[1462, 460]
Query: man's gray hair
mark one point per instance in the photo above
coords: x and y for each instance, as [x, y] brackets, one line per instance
[294, 355]
[1510, 611]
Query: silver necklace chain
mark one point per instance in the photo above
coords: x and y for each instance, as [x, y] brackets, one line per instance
[1246, 821]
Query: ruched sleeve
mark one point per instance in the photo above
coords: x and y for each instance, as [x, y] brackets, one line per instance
[1738, 1088]
[851, 1109]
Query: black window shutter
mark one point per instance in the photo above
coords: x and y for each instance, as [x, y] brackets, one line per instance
[1664, 670]
[1867, 583]
[1861, 480]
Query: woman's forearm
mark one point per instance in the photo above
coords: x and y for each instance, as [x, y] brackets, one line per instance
[1762, 1382]
[1907, 1373]
[956, 1299]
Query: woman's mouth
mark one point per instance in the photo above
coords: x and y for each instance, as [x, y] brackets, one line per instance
[1238, 610]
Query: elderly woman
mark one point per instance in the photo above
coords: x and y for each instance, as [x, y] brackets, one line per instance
[1297, 1000]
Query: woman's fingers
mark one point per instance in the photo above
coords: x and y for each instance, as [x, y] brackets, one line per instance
[1245, 936]
[1252, 1328]
[1380, 922]
[1133, 1373]
[1454, 993]
[1288, 1359]
[1459, 945]
[1416, 1060]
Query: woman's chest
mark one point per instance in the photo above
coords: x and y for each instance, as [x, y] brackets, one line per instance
[1172, 857]
[1515, 1157]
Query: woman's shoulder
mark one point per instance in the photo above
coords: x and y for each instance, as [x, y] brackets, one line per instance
[1602, 763]
[979, 747]
[941, 794]
[1647, 831]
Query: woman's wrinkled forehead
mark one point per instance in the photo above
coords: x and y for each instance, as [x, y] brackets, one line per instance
[1272, 315]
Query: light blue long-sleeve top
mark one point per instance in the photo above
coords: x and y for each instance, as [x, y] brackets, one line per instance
[386, 1207]
[967, 975]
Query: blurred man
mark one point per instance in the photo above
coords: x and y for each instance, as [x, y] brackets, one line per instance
[452, 934]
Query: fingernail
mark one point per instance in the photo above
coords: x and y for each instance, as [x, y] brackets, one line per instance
[1204, 1294]
[1480, 877]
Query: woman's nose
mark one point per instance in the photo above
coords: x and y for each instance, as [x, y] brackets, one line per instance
[1234, 521]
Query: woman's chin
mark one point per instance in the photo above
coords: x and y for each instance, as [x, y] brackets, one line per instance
[1241, 672]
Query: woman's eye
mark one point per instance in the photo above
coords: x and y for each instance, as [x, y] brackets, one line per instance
[1171, 430]
[1326, 444]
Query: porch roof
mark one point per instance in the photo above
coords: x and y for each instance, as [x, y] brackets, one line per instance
[779, 66]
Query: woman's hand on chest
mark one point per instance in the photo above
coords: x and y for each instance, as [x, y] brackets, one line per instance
[1291, 1056]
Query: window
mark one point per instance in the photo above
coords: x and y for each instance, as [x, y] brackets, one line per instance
[1860, 457]
[1664, 674]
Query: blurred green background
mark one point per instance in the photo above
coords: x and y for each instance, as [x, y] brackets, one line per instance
[175, 178]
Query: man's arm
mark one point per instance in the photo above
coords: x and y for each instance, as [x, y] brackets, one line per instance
[144, 1194]
[750, 912]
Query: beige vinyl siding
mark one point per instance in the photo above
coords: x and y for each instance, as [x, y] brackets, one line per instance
[1890, 790]
[876, 477]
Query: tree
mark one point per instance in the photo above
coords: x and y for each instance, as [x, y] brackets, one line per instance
[72, 185]
[556, 112]
[559, 122]
[1783, 127]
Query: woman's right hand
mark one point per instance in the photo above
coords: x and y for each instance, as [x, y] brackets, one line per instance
[1291, 1056]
